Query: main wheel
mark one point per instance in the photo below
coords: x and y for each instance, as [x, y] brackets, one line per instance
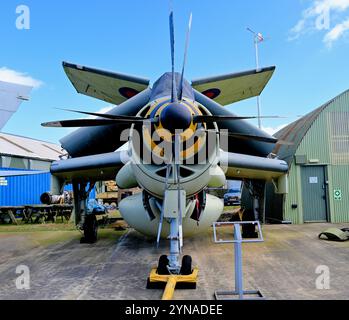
[186, 268]
[90, 229]
[249, 230]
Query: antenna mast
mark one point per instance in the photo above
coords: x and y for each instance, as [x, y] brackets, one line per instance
[257, 39]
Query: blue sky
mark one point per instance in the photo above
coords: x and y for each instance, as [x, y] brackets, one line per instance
[310, 53]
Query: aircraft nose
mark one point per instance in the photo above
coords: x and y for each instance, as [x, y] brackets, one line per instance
[176, 116]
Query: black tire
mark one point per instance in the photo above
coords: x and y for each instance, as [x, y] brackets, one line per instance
[249, 230]
[186, 268]
[90, 229]
[162, 266]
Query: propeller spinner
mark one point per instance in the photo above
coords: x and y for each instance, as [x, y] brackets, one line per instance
[175, 116]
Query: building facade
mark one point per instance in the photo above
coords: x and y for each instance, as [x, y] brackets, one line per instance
[316, 147]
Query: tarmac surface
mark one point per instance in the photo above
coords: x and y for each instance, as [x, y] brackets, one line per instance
[117, 266]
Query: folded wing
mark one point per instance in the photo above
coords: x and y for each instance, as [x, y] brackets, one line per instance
[230, 88]
[108, 86]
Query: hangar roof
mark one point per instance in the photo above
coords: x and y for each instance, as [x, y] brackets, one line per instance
[296, 131]
[13, 145]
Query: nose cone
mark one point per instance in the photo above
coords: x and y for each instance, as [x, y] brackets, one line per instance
[176, 116]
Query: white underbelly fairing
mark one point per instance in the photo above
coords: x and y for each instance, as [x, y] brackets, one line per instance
[134, 212]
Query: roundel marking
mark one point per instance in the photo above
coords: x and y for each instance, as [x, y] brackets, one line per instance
[212, 93]
[127, 92]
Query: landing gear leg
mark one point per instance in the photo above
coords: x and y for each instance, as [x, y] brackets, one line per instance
[170, 273]
[84, 221]
[256, 209]
[173, 257]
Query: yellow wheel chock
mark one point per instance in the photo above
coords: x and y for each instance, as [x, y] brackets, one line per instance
[171, 282]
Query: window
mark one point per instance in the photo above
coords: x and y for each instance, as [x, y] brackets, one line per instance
[40, 165]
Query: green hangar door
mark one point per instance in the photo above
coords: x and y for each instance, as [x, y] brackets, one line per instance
[314, 194]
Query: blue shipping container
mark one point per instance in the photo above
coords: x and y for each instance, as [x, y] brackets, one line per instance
[26, 190]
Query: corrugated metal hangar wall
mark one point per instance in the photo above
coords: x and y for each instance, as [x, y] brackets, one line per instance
[319, 167]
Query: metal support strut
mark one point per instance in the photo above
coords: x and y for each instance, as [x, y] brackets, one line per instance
[176, 234]
[174, 246]
[239, 293]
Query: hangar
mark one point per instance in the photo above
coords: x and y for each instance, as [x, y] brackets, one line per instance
[29, 155]
[318, 159]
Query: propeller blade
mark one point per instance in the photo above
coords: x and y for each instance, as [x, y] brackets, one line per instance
[180, 92]
[87, 123]
[107, 116]
[252, 137]
[172, 41]
[199, 119]
[243, 136]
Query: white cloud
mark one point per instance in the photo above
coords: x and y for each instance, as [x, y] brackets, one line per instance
[297, 30]
[323, 15]
[273, 130]
[337, 32]
[9, 75]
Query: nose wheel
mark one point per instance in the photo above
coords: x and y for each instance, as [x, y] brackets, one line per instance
[162, 278]
[163, 266]
[186, 268]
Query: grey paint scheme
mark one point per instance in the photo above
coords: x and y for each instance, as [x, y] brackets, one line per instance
[200, 81]
[97, 167]
[163, 87]
[97, 140]
[106, 166]
[254, 148]
[89, 147]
